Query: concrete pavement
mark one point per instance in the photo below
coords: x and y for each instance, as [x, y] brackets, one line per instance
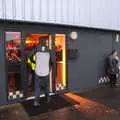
[102, 103]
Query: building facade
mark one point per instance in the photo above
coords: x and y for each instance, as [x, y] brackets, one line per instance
[81, 33]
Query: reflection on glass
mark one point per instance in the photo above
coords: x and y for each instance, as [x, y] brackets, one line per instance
[13, 56]
[13, 43]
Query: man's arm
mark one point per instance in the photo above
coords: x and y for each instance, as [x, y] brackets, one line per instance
[31, 54]
[54, 65]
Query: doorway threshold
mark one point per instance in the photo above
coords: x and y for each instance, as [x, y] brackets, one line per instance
[42, 95]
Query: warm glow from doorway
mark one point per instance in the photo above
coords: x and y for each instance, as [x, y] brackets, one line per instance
[60, 40]
[90, 108]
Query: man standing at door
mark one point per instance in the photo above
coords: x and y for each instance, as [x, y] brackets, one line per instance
[43, 60]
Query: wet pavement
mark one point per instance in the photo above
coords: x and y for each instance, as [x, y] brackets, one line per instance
[96, 104]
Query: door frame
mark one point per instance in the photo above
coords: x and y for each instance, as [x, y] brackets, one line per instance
[53, 48]
[23, 33]
[25, 80]
[8, 29]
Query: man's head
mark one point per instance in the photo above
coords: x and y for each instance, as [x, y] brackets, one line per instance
[43, 42]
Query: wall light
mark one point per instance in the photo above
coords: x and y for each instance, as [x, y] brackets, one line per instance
[74, 35]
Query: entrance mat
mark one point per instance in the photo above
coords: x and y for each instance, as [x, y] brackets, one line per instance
[57, 102]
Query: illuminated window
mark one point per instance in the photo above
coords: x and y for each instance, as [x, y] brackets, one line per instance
[60, 48]
[13, 56]
[13, 44]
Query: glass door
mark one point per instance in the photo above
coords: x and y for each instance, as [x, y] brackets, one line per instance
[57, 44]
[32, 40]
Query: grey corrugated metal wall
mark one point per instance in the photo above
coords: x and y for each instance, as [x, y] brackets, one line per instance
[90, 13]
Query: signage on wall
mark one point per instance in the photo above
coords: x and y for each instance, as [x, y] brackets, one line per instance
[74, 35]
[72, 54]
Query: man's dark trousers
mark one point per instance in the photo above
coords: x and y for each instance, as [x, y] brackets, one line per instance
[41, 81]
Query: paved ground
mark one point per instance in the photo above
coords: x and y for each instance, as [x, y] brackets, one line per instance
[97, 104]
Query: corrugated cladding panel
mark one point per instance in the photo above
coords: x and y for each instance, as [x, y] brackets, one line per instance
[36, 10]
[84, 6]
[90, 13]
[77, 12]
[1, 9]
[9, 9]
[65, 11]
[52, 12]
[19, 10]
[105, 14]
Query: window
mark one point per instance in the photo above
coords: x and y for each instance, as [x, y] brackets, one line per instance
[60, 48]
[13, 44]
[13, 57]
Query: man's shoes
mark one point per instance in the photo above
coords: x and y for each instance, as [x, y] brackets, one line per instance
[36, 104]
[47, 98]
[111, 86]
